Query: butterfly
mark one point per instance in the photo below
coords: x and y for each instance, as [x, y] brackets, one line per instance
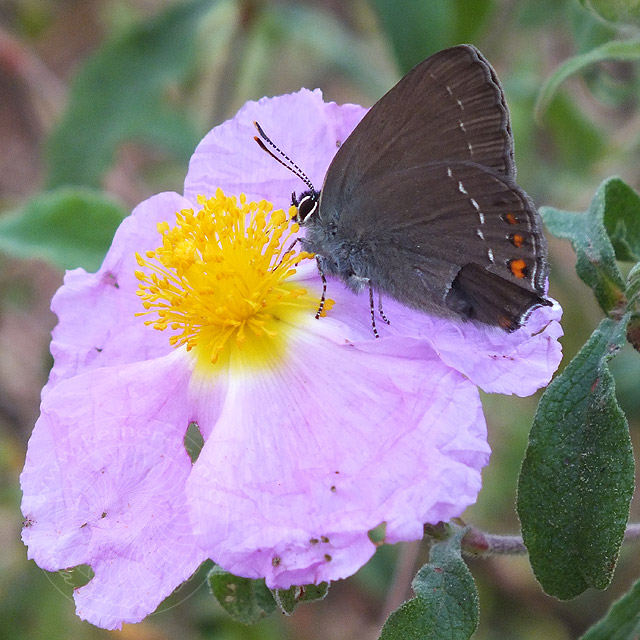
[420, 202]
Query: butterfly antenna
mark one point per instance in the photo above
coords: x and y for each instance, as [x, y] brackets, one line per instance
[280, 156]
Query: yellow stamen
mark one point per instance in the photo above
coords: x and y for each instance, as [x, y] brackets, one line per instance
[220, 280]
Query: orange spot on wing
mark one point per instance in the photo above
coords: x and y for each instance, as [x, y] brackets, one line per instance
[518, 268]
[517, 239]
[507, 323]
[510, 218]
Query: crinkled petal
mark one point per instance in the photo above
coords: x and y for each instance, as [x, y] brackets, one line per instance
[97, 325]
[517, 363]
[303, 462]
[301, 124]
[104, 483]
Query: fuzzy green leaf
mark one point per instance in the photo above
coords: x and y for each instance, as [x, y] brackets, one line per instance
[622, 219]
[633, 305]
[247, 601]
[596, 258]
[445, 606]
[622, 621]
[577, 477]
[289, 599]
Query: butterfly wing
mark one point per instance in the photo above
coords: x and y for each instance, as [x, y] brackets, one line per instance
[449, 107]
[453, 238]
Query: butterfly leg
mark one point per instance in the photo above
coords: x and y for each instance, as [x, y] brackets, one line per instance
[380, 311]
[373, 313]
[324, 287]
[289, 248]
[293, 244]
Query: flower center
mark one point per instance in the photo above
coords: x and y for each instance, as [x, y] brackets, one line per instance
[220, 280]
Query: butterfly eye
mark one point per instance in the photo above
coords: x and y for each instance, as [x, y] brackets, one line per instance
[306, 207]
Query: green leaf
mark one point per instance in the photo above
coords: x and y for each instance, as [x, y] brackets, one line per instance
[622, 219]
[596, 259]
[617, 11]
[289, 599]
[587, 31]
[123, 93]
[622, 621]
[633, 289]
[422, 28]
[247, 601]
[577, 477]
[614, 50]
[446, 601]
[633, 298]
[69, 227]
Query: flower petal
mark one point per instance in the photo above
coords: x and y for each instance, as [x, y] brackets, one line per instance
[499, 362]
[104, 484]
[97, 325]
[517, 363]
[307, 129]
[303, 463]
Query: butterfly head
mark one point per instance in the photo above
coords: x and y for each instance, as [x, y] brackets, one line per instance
[306, 204]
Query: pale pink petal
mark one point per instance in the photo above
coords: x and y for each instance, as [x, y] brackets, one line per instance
[301, 124]
[97, 325]
[302, 463]
[517, 363]
[104, 482]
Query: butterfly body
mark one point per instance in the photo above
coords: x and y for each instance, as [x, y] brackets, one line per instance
[345, 253]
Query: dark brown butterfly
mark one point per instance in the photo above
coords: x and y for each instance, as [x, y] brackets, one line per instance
[420, 201]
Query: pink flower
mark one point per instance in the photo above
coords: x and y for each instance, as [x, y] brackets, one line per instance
[315, 433]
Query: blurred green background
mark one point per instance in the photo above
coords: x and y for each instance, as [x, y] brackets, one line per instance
[102, 104]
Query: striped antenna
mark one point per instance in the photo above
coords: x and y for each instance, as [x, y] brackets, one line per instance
[280, 156]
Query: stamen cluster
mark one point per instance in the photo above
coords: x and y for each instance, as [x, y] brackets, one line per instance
[221, 274]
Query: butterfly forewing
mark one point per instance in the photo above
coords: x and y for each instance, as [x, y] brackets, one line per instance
[449, 107]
